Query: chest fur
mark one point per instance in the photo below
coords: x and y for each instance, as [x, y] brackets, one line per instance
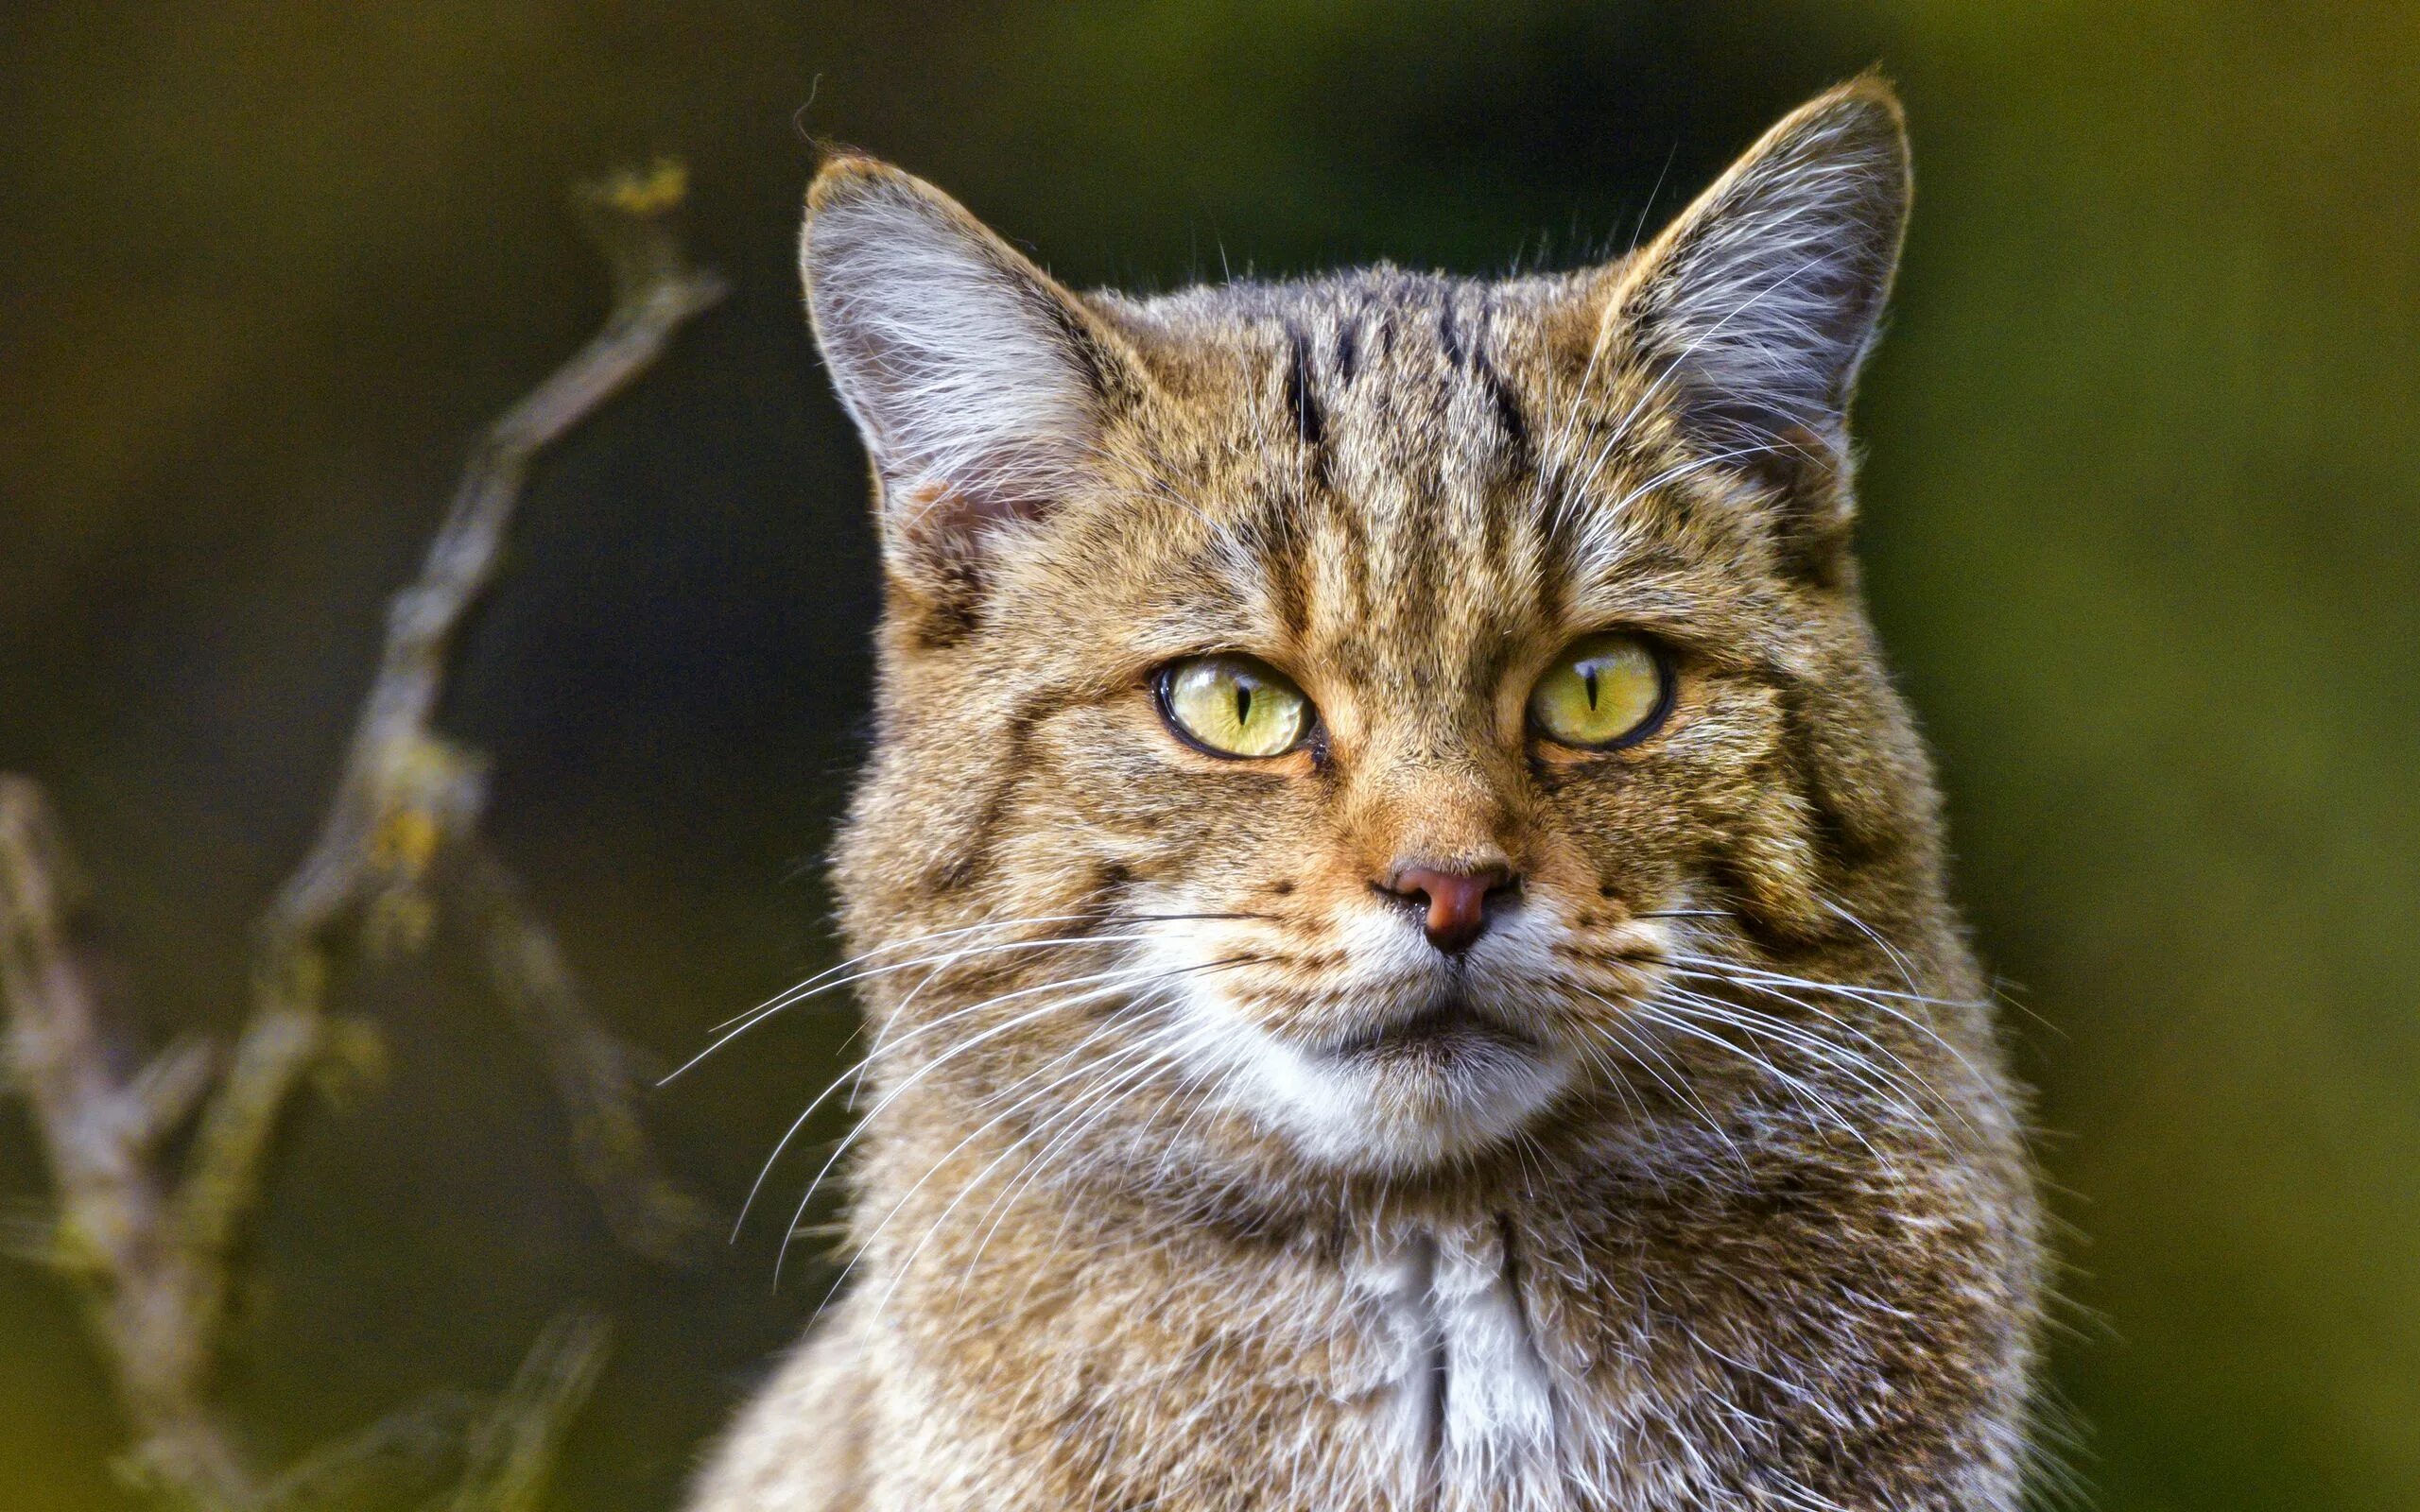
[1463, 1365]
[1471, 1407]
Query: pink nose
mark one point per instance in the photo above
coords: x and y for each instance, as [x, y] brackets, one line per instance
[1454, 903]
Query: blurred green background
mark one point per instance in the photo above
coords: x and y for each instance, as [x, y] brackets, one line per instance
[2142, 513]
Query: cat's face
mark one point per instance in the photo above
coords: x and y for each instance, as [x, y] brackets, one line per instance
[1322, 721]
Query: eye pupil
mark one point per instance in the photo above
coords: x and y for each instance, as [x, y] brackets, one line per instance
[1243, 706]
[1588, 679]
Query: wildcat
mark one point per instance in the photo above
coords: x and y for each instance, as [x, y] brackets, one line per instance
[1403, 921]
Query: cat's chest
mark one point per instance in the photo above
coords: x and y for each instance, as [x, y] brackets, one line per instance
[1462, 1401]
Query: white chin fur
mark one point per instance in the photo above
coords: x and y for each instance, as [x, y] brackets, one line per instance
[1392, 1112]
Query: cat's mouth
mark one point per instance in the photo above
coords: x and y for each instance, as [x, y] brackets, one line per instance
[1405, 1078]
[1438, 1032]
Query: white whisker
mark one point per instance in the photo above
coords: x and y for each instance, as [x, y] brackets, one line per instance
[736, 1027]
[1124, 980]
[866, 1062]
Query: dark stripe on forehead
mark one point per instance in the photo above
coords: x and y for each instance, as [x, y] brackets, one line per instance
[1514, 424]
[1276, 538]
[1554, 557]
[1507, 405]
[1449, 335]
[1353, 530]
[1310, 422]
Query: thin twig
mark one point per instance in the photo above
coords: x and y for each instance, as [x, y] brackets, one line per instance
[513, 1449]
[407, 794]
[591, 1068]
[153, 1253]
[114, 1232]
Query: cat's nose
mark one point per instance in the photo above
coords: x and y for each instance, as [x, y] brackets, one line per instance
[1454, 902]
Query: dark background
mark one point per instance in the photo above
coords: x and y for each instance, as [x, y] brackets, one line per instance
[2140, 515]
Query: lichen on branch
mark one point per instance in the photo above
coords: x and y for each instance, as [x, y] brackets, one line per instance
[151, 1245]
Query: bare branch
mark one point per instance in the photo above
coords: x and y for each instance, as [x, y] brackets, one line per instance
[153, 1256]
[591, 1068]
[513, 1451]
[112, 1230]
[407, 794]
[409, 1454]
[168, 1089]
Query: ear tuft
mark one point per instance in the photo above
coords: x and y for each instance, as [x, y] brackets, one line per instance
[1765, 295]
[977, 383]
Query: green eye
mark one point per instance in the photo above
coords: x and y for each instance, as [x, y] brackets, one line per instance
[1604, 691]
[1233, 706]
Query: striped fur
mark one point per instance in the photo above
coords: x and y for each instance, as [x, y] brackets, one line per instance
[1742, 1221]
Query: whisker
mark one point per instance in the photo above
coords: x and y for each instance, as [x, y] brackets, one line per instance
[976, 952]
[1809, 1099]
[928, 936]
[1860, 1071]
[1117, 979]
[1031, 1176]
[882, 1033]
[1774, 984]
[945, 1058]
[1677, 1085]
[1143, 1054]
[1834, 1020]
[1176, 1139]
[907, 943]
[999, 1208]
[939, 963]
[1678, 1016]
[1846, 989]
[1115, 1057]
[1899, 962]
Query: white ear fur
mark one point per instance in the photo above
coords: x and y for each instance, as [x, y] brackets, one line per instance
[971, 376]
[1766, 293]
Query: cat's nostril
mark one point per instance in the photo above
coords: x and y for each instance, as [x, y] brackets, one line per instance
[1454, 902]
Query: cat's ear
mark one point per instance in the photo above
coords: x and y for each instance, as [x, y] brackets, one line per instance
[979, 386]
[1759, 301]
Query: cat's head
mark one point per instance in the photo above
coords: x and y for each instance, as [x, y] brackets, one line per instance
[1319, 721]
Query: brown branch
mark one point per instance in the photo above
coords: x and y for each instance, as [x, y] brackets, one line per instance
[407, 794]
[591, 1068]
[514, 1447]
[154, 1254]
[114, 1231]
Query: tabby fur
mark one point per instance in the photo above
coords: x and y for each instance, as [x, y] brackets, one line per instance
[1750, 1226]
